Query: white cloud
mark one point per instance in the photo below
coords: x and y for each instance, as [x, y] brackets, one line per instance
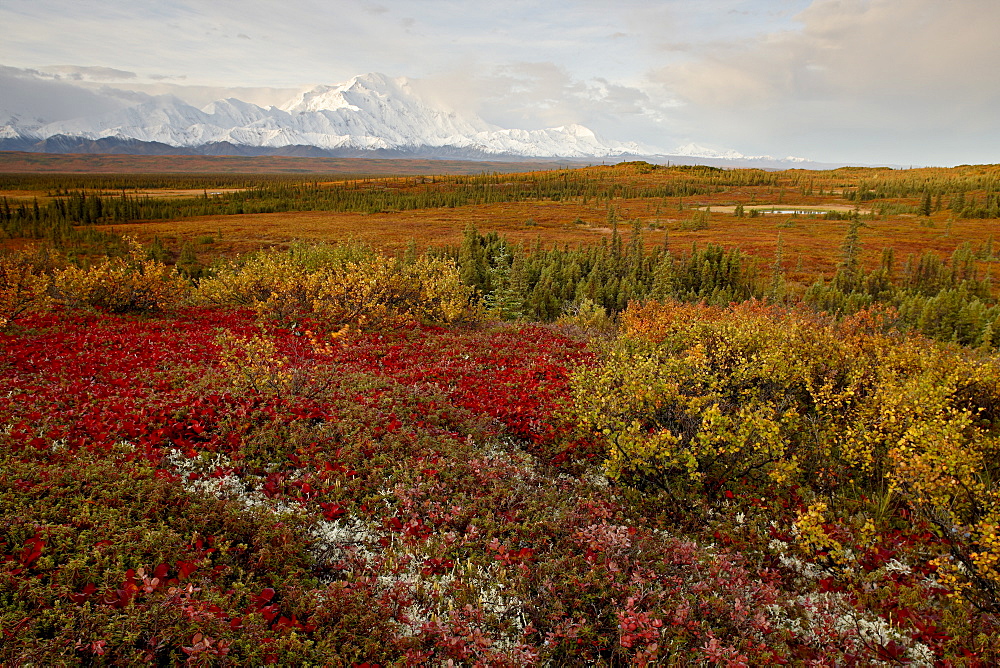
[533, 95]
[858, 74]
[84, 73]
[34, 97]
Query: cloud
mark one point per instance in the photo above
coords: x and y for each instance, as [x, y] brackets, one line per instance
[199, 96]
[534, 95]
[35, 97]
[36, 94]
[885, 49]
[91, 73]
[866, 73]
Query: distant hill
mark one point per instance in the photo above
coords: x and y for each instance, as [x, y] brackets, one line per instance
[111, 163]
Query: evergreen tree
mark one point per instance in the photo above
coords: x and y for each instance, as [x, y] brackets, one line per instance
[616, 243]
[663, 278]
[985, 341]
[410, 254]
[472, 263]
[157, 251]
[636, 251]
[777, 290]
[888, 263]
[506, 300]
[187, 262]
[848, 273]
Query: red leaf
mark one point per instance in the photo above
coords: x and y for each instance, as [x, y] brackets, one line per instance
[32, 550]
[332, 511]
[185, 568]
[263, 598]
[269, 612]
[84, 594]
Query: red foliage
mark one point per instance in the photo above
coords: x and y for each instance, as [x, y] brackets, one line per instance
[593, 583]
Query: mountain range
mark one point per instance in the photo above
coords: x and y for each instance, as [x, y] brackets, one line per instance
[370, 115]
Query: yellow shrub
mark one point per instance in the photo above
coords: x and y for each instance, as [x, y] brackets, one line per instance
[669, 413]
[695, 397]
[945, 464]
[586, 317]
[356, 287]
[812, 536]
[24, 288]
[129, 284]
[254, 364]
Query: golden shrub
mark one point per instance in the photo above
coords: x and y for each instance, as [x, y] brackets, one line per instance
[24, 288]
[354, 287]
[695, 397]
[254, 364]
[129, 284]
[811, 533]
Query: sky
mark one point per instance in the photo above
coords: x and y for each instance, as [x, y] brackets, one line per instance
[902, 82]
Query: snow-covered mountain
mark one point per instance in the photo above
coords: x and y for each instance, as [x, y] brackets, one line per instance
[371, 112]
[698, 151]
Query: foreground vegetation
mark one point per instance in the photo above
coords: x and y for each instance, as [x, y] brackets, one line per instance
[492, 453]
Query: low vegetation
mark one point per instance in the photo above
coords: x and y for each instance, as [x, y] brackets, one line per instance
[488, 452]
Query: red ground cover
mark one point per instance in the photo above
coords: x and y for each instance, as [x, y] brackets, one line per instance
[382, 498]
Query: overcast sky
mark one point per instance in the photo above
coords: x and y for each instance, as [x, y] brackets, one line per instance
[871, 81]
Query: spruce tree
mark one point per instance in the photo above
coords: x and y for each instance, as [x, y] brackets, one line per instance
[506, 300]
[663, 278]
[777, 290]
[635, 246]
[849, 270]
[472, 260]
[410, 254]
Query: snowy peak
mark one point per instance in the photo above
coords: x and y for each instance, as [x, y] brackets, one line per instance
[575, 130]
[362, 92]
[233, 108]
[698, 151]
[368, 112]
[376, 107]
